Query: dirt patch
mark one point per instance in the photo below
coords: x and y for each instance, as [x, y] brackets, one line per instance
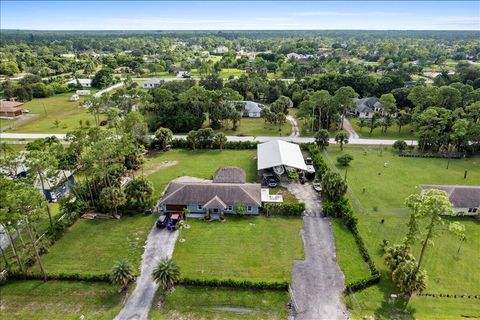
[160, 166]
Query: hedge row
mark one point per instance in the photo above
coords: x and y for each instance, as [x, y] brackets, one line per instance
[232, 145]
[449, 295]
[284, 209]
[102, 277]
[342, 209]
[230, 283]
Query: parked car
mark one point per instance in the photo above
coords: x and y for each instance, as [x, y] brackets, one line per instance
[309, 161]
[172, 224]
[317, 186]
[270, 180]
[162, 221]
[147, 211]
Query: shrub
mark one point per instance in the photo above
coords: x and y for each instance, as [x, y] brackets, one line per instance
[230, 283]
[284, 209]
[344, 159]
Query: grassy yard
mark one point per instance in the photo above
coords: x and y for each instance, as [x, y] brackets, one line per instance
[392, 133]
[163, 167]
[386, 189]
[257, 127]
[56, 300]
[54, 108]
[348, 256]
[217, 303]
[93, 246]
[246, 248]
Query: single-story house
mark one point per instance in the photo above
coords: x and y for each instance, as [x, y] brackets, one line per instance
[367, 107]
[180, 72]
[74, 97]
[151, 83]
[56, 186]
[10, 109]
[123, 70]
[221, 49]
[227, 193]
[251, 109]
[82, 82]
[83, 92]
[279, 156]
[465, 199]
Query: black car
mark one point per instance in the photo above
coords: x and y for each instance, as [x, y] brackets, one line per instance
[162, 221]
[270, 180]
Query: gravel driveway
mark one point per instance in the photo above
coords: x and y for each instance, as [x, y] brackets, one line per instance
[317, 281]
[160, 244]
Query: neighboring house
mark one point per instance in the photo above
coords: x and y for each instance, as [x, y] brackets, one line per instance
[151, 83]
[297, 56]
[221, 49]
[122, 70]
[83, 82]
[67, 55]
[56, 186]
[180, 72]
[74, 97]
[367, 107]
[465, 199]
[10, 108]
[227, 193]
[279, 156]
[251, 109]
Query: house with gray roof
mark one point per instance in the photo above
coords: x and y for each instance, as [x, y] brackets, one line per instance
[227, 193]
[465, 199]
[367, 107]
[251, 109]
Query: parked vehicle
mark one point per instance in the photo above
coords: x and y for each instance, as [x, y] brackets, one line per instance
[162, 221]
[317, 186]
[172, 224]
[309, 161]
[147, 211]
[270, 180]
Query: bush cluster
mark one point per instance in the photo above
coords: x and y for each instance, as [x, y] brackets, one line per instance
[230, 283]
[91, 277]
[319, 164]
[284, 209]
[232, 145]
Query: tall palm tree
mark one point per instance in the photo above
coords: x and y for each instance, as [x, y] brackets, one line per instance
[166, 273]
[122, 274]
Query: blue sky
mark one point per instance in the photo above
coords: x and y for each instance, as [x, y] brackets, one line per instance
[239, 15]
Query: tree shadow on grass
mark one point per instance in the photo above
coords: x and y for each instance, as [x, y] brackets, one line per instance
[391, 307]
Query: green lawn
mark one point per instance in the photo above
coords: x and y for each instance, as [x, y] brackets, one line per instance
[386, 189]
[163, 167]
[190, 303]
[257, 127]
[55, 108]
[406, 132]
[93, 246]
[56, 300]
[245, 248]
[348, 256]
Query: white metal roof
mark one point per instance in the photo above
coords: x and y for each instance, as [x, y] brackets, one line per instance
[277, 153]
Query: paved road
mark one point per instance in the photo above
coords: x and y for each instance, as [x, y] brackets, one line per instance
[160, 244]
[317, 281]
[61, 136]
[295, 131]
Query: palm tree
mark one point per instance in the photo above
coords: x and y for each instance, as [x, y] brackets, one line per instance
[166, 273]
[220, 139]
[122, 274]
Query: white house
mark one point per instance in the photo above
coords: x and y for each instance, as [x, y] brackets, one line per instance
[151, 83]
[180, 72]
[82, 82]
[221, 49]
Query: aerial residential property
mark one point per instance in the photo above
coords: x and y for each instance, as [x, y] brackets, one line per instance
[301, 160]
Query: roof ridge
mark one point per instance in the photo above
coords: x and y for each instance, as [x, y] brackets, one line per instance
[174, 192]
[251, 197]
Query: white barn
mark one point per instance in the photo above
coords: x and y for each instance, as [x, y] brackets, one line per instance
[151, 83]
[83, 82]
[279, 155]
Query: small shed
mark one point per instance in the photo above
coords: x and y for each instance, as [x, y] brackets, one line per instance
[10, 109]
[74, 97]
[83, 92]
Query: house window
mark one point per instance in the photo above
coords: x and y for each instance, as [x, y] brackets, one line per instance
[249, 208]
[474, 210]
[230, 208]
[470, 209]
[199, 207]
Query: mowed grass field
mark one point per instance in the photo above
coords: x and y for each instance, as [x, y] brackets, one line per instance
[55, 108]
[58, 300]
[241, 248]
[191, 303]
[386, 189]
[257, 127]
[93, 246]
[406, 133]
[166, 166]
